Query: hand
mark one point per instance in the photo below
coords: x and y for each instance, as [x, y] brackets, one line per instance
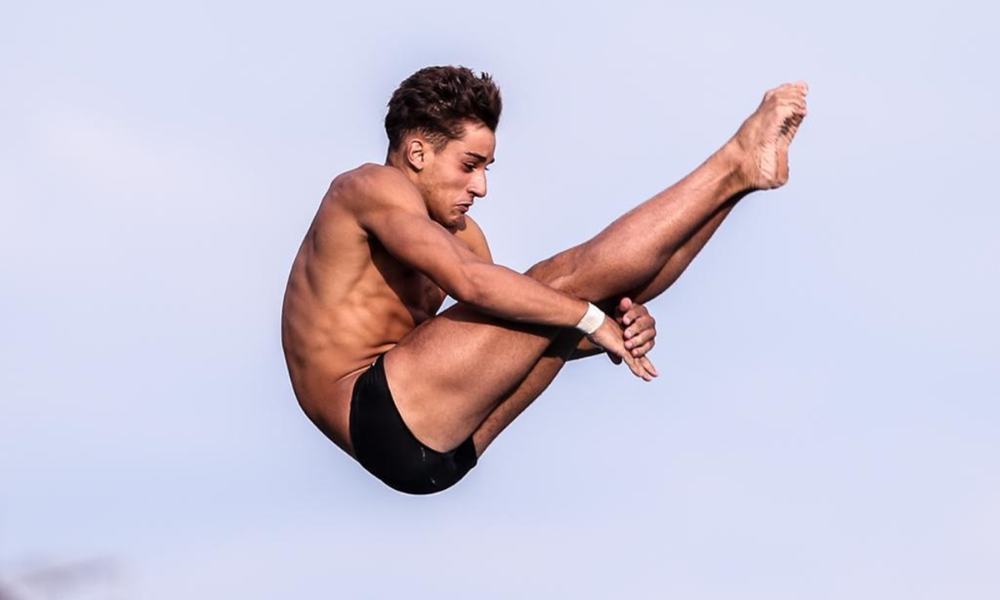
[611, 337]
[639, 326]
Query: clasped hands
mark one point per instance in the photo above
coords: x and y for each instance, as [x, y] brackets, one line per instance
[628, 336]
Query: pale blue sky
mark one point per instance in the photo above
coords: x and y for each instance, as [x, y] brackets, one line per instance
[826, 421]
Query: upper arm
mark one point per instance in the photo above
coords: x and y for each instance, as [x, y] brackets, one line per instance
[388, 207]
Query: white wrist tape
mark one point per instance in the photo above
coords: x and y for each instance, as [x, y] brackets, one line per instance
[592, 319]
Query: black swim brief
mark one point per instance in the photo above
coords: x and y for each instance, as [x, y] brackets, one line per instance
[386, 447]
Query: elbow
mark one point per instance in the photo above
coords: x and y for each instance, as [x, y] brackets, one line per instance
[465, 289]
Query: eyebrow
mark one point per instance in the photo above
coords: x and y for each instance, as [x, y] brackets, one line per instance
[479, 157]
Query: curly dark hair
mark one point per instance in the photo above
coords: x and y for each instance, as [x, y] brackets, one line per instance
[437, 100]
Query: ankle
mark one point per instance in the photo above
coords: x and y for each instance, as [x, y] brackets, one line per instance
[736, 165]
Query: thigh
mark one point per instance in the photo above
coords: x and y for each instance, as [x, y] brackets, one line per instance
[531, 387]
[450, 373]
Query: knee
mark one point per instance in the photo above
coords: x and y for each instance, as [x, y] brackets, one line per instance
[552, 272]
[568, 273]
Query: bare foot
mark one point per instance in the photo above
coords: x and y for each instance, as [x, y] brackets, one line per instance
[765, 136]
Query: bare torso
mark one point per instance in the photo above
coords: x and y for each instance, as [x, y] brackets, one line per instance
[347, 302]
[387, 240]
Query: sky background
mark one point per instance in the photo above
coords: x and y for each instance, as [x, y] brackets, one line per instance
[825, 424]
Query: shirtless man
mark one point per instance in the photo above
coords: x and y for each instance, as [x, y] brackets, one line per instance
[416, 398]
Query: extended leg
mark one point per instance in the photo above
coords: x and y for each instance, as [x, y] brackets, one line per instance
[449, 374]
[562, 347]
[479, 361]
[680, 260]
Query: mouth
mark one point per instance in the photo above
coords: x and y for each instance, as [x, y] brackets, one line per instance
[464, 208]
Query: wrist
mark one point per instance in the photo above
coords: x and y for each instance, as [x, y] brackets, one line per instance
[591, 320]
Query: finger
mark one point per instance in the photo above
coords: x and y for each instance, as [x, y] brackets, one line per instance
[635, 311]
[643, 325]
[625, 306]
[648, 365]
[638, 367]
[640, 332]
[638, 318]
[644, 349]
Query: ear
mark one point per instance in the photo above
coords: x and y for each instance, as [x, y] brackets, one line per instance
[415, 151]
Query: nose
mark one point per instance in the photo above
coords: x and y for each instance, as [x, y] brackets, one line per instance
[478, 185]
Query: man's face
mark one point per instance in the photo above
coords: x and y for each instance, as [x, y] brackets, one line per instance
[454, 176]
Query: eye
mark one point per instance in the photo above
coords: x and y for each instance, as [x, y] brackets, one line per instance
[469, 167]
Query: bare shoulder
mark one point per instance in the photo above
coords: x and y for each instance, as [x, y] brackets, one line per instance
[372, 186]
[362, 196]
[472, 236]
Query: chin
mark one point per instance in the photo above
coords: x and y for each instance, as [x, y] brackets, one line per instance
[451, 221]
[457, 222]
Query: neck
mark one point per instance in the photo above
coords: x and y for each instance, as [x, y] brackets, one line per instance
[397, 160]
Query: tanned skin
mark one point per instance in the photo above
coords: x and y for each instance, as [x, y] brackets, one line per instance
[389, 242]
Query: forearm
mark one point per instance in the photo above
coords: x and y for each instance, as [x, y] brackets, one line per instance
[509, 295]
